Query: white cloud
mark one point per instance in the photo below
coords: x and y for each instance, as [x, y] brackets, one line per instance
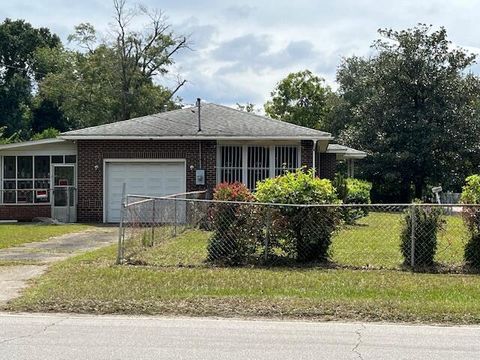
[243, 48]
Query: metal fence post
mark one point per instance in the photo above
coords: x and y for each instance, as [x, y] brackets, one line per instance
[68, 204]
[412, 236]
[267, 232]
[175, 216]
[153, 222]
[120, 228]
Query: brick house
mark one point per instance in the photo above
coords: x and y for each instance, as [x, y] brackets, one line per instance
[79, 176]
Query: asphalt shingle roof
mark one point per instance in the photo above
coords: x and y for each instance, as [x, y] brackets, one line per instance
[217, 121]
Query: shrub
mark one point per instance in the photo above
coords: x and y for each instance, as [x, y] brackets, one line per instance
[471, 190]
[232, 192]
[358, 191]
[302, 233]
[428, 221]
[471, 215]
[353, 191]
[232, 241]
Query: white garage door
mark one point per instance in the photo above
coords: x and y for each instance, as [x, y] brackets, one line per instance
[141, 178]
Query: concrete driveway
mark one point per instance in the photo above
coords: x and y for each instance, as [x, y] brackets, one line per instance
[14, 278]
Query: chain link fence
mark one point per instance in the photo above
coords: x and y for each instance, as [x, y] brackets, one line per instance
[187, 230]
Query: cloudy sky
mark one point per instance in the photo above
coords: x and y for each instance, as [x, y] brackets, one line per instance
[242, 48]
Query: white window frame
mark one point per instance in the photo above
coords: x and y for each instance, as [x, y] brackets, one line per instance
[244, 146]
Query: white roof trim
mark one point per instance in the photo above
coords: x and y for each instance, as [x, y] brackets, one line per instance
[347, 152]
[146, 137]
[31, 143]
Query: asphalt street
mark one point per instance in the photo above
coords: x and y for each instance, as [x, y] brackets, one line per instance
[30, 336]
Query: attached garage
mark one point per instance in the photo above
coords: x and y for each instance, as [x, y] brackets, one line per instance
[150, 177]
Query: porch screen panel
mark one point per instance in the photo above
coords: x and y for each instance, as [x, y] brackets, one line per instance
[286, 159]
[26, 179]
[231, 160]
[258, 165]
[9, 180]
[42, 179]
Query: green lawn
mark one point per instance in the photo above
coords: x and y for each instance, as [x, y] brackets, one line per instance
[91, 283]
[372, 243]
[18, 234]
[375, 242]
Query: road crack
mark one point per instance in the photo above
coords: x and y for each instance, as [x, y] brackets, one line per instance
[43, 330]
[359, 341]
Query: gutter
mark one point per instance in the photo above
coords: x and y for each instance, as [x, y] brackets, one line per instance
[32, 143]
[223, 138]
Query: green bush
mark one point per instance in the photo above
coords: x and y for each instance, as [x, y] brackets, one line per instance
[471, 190]
[471, 215]
[353, 191]
[472, 251]
[302, 233]
[358, 191]
[233, 240]
[428, 221]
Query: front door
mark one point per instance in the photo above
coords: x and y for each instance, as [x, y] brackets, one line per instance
[64, 207]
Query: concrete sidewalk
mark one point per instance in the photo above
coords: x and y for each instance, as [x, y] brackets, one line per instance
[39, 337]
[14, 278]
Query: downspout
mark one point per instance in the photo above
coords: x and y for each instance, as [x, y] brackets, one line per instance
[314, 157]
[199, 109]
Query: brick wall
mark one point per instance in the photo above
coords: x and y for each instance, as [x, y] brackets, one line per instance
[307, 153]
[91, 153]
[326, 165]
[24, 212]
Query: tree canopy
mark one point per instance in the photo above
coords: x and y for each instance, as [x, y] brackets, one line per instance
[44, 84]
[301, 98]
[414, 108]
[113, 79]
[19, 42]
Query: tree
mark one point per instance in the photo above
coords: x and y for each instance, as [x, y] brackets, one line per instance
[49, 133]
[247, 107]
[142, 55]
[414, 109]
[300, 98]
[19, 42]
[114, 79]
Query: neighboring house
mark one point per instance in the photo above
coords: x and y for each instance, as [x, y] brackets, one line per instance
[80, 175]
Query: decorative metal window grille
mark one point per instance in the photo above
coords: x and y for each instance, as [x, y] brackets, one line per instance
[286, 159]
[231, 164]
[250, 164]
[258, 167]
